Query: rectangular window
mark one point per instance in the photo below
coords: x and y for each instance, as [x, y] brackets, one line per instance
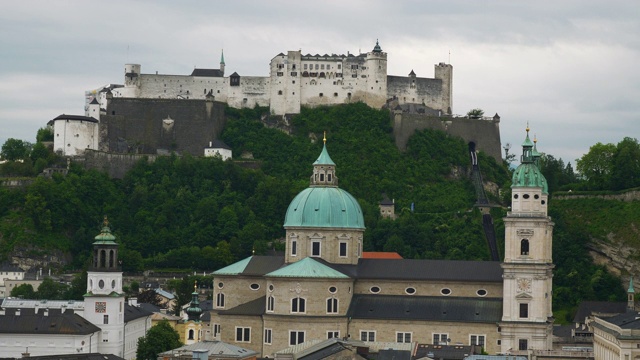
[243, 334]
[279, 73]
[220, 300]
[294, 248]
[105, 319]
[315, 248]
[523, 344]
[476, 340]
[267, 336]
[298, 305]
[440, 339]
[367, 335]
[524, 311]
[270, 303]
[305, 66]
[296, 337]
[216, 330]
[343, 249]
[332, 306]
[333, 334]
[403, 337]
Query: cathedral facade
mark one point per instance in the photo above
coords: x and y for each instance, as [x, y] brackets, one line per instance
[322, 287]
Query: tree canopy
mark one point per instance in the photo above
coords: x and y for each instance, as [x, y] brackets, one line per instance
[160, 338]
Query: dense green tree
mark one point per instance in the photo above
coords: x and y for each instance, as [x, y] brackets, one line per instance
[78, 287]
[160, 338]
[15, 149]
[44, 134]
[51, 290]
[625, 165]
[596, 165]
[24, 291]
[149, 297]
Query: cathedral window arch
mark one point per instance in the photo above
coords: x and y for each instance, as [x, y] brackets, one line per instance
[298, 305]
[220, 300]
[111, 258]
[332, 306]
[524, 247]
[271, 301]
[316, 249]
[103, 258]
[191, 332]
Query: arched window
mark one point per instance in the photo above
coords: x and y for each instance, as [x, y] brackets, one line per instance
[270, 303]
[190, 334]
[298, 305]
[103, 258]
[220, 300]
[332, 306]
[524, 247]
[111, 255]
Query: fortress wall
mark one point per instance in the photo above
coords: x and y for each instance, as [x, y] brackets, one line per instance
[424, 90]
[148, 125]
[484, 133]
[255, 89]
[116, 165]
[172, 86]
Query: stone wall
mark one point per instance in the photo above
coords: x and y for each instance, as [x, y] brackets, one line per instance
[116, 165]
[484, 133]
[626, 196]
[152, 126]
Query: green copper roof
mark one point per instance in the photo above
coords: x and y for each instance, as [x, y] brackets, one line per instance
[527, 142]
[631, 290]
[222, 57]
[235, 268]
[377, 48]
[324, 158]
[307, 268]
[527, 173]
[326, 207]
[105, 236]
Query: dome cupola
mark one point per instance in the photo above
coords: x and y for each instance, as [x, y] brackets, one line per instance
[529, 187]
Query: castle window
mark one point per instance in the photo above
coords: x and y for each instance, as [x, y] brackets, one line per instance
[335, 94]
[315, 248]
[298, 305]
[322, 67]
[279, 92]
[524, 311]
[403, 337]
[270, 303]
[523, 344]
[296, 337]
[321, 95]
[220, 300]
[317, 66]
[367, 335]
[113, 112]
[332, 306]
[190, 334]
[267, 336]
[243, 334]
[524, 247]
[205, 91]
[305, 66]
[293, 81]
[279, 73]
[343, 249]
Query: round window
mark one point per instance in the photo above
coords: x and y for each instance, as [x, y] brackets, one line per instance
[481, 292]
[526, 196]
[410, 290]
[542, 202]
[254, 286]
[374, 289]
[515, 196]
[113, 284]
[270, 287]
[333, 289]
[101, 284]
[445, 292]
[536, 196]
[220, 285]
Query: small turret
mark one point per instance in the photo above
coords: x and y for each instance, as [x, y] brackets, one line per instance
[222, 62]
[324, 169]
[194, 311]
[377, 48]
[631, 293]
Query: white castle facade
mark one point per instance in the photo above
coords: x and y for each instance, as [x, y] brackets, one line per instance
[294, 80]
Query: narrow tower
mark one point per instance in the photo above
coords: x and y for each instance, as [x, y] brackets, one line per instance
[527, 319]
[222, 62]
[104, 300]
[631, 294]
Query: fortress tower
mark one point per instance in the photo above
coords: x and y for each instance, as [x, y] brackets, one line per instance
[527, 319]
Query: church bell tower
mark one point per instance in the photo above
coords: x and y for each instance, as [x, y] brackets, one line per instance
[104, 300]
[527, 319]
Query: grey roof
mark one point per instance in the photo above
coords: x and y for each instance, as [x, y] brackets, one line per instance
[588, 308]
[76, 305]
[260, 265]
[207, 72]
[133, 312]
[390, 354]
[429, 308]
[55, 322]
[149, 307]
[215, 347]
[165, 294]
[386, 200]
[94, 102]
[440, 270]
[253, 307]
[443, 351]
[73, 117]
[218, 144]
[496, 357]
[628, 320]
[321, 351]
[10, 267]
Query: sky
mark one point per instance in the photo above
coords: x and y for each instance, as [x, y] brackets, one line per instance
[570, 69]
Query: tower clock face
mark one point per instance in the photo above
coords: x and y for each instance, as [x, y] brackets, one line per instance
[524, 285]
[101, 307]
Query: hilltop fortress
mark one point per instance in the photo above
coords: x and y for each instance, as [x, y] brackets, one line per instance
[297, 80]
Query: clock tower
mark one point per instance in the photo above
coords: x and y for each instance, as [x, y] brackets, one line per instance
[527, 317]
[104, 300]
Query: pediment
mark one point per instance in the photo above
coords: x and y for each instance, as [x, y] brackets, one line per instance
[524, 296]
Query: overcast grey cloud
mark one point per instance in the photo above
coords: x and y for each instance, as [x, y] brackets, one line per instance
[569, 68]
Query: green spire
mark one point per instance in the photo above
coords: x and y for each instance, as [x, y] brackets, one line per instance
[222, 57]
[194, 311]
[324, 158]
[377, 48]
[631, 290]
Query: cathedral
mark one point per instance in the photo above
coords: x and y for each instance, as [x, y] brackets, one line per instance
[322, 287]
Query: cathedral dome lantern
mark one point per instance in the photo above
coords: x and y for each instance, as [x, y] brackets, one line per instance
[105, 250]
[194, 311]
[529, 187]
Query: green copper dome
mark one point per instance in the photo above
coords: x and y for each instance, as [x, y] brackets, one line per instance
[324, 158]
[326, 207]
[105, 236]
[527, 173]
